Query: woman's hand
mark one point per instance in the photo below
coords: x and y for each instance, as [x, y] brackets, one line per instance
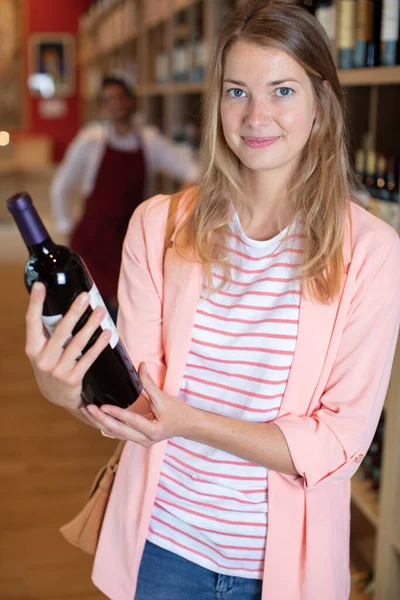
[56, 368]
[168, 417]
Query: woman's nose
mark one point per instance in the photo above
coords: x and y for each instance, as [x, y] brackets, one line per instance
[258, 113]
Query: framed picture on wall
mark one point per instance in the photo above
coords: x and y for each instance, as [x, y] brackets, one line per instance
[52, 64]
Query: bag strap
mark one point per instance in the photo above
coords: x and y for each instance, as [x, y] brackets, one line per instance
[171, 221]
[116, 455]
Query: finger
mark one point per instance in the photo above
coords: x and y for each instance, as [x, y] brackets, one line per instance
[117, 427]
[86, 361]
[142, 424]
[35, 338]
[63, 331]
[148, 384]
[93, 421]
[80, 340]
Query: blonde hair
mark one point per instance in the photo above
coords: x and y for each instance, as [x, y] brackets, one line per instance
[324, 179]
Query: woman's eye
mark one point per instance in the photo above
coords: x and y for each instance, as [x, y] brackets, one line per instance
[236, 93]
[284, 92]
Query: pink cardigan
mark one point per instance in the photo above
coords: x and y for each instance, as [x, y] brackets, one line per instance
[329, 413]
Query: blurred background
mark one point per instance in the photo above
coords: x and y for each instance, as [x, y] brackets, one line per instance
[53, 58]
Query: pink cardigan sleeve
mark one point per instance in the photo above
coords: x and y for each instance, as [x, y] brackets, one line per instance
[140, 289]
[330, 443]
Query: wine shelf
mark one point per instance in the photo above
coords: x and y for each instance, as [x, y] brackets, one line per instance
[365, 499]
[171, 89]
[371, 76]
[151, 28]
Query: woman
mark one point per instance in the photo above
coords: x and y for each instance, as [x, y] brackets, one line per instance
[268, 332]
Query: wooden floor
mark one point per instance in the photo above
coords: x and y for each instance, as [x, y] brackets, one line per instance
[48, 460]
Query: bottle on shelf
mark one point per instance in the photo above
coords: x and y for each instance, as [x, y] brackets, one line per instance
[325, 13]
[390, 29]
[360, 165]
[111, 379]
[346, 33]
[392, 179]
[310, 5]
[370, 180]
[368, 30]
[199, 48]
[381, 189]
[180, 54]
[162, 67]
[162, 61]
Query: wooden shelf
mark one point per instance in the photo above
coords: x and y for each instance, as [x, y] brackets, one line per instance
[166, 89]
[371, 76]
[101, 57]
[365, 500]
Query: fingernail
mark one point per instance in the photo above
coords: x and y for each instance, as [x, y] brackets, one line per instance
[107, 334]
[36, 288]
[100, 312]
[91, 409]
[83, 299]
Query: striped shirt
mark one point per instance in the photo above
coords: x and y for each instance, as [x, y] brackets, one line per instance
[211, 507]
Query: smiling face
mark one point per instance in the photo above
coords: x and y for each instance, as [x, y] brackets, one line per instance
[267, 107]
[117, 104]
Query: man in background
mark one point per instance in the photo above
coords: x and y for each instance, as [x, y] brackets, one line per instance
[114, 165]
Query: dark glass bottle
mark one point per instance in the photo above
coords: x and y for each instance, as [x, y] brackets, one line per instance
[112, 378]
[382, 191]
[390, 30]
[368, 31]
[370, 180]
[346, 33]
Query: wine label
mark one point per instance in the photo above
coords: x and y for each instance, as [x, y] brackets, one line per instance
[347, 24]
[107, 322]
[51, 322]
[390, 21]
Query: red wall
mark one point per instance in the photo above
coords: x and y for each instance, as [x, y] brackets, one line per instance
[45, 16]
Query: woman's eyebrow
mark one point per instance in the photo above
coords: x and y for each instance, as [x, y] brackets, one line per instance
[270, 84]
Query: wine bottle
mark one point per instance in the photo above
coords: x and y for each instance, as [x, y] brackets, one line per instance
[368, 31]
[364, 32]
[180, 54]
[390, 32]
[360, 166]
[346, 33]
[382, 192]
[198, 49]
[310, 5]
[325, 13]
[370, 181]
[111, 379]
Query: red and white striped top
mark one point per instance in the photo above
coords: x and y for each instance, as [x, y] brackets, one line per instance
[212, 507]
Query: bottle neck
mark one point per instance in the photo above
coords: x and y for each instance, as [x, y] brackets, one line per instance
[46, 246]
[30, 225]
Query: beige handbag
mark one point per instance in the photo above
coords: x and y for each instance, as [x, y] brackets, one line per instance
[84, 530]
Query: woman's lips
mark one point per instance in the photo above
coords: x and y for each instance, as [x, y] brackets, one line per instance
[259, 142]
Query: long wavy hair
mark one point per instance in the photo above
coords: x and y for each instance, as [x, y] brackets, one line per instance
[320, 191]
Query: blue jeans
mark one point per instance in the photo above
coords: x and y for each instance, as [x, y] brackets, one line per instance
[164, 575]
